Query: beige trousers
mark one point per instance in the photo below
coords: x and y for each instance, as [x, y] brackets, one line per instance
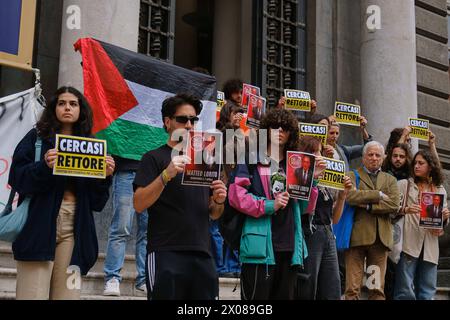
[54, 280]
[376, 258]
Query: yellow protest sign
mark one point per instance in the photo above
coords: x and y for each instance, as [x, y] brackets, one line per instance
[220, 99]
[347, 113]
[316, 130]
[333, 176]
[220, 103]
[297, 100]
[80, 157]
[419, 128]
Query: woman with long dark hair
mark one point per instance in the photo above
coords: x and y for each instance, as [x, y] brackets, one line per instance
[416, 272]
[58, 243]
[272, 243]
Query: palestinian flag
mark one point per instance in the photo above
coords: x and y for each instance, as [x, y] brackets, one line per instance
[126, 91]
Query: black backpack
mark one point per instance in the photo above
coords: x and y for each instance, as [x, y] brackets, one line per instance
[232, 221]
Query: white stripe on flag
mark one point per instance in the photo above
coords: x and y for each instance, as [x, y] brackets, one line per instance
[148, 111]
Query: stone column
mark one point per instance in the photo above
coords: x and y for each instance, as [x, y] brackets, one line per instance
[112, 21]
[321, 66]
[388, 67]
[226, 47]
[232, 42]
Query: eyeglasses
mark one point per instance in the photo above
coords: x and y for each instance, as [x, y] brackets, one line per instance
[185, 119]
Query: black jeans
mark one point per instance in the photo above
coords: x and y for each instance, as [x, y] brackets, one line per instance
[269, 282]
[321, 280]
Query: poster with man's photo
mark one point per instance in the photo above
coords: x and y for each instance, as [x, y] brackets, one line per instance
[205, 151]
[299, 174]
[247, 90]
[256, 109]
[431, 214]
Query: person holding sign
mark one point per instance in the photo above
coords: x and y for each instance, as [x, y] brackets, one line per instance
[322, 280]
[416, 272]
[372, 237]
[179, 262]
[301, 116]
[403, 135]
[347, 153]
[233, 91]
[58, 243]
[272, 244]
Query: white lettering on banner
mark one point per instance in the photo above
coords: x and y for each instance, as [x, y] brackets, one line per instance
[74, 20]
[347, 108]
[419, 123]
[374, 18]
[335, 166]
[85, 147]
[313, 129]
[297, 95]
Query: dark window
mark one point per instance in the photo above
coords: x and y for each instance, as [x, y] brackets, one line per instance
[280, 45]
[156, 28]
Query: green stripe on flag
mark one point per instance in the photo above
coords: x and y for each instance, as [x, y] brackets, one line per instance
[132, 140]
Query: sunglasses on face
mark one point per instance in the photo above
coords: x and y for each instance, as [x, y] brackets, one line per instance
[283, 126]
[241, 110]
[185, 119]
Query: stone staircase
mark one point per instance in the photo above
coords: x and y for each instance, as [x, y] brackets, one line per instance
[92, 283]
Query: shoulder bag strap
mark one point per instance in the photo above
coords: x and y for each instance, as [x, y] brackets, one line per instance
[12, 194]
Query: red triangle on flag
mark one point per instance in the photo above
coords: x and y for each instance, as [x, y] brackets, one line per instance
[104, 86]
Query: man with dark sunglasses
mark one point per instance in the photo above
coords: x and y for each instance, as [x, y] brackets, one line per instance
[179, 264]
[185, 119]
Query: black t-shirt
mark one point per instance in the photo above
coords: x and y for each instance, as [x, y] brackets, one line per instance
[324, 208]
[283, 232]
[123, 164]
[179, 219]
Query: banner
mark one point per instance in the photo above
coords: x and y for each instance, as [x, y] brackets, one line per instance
[297, 100]
[17, 22]
[80, 157]
[347, 114]
[431, 213]
[315, 130]
[419, 128]
[299, 174]
[256, 110]
[205, 151]
[18, 114]
[333, 176]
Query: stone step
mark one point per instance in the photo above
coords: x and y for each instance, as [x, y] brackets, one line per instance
[443, 278]
[12, 296]
[92, 286]
[129, 266]
[442, 293]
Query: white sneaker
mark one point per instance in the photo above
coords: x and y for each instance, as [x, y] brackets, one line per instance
[112, 288]
[141, 290]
